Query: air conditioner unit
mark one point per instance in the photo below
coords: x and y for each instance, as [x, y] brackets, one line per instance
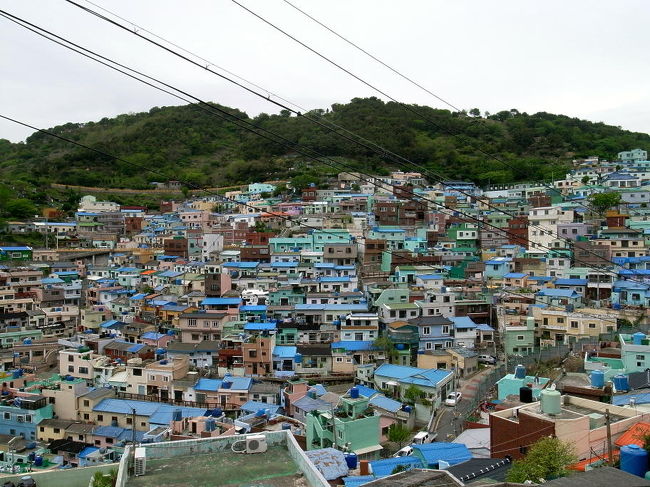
[256, 444]
[140, 461]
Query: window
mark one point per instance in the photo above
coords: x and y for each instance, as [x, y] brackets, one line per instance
[640, 357]
[87, 403]
[7, 416]
[574, 324]
[592, 325]
[129, 420]
[426, 330]
[71, 368]
[445, 329]
[100, 417]
[428, 345]
[520, 338]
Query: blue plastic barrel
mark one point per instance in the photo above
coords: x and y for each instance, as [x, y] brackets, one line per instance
[38, 461]
[351, 459]
[597, 379]
[634, 460]
[621, 383]
[637, 338]
[354, 393]
[520, 372]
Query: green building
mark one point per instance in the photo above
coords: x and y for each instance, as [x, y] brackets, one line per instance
[352, 427]
[15, 253]
[520, 340]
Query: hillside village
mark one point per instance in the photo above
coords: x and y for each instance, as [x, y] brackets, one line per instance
[322, 318]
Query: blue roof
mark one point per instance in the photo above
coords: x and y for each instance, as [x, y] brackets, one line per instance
[429, 277]
[308, 404]
[358, 480]
[386, 403]
[152, 335]
[329, 461]
[354, 346]
[15, 249]
[52, 280]
[138, 296]
[220, 301]
[484, 327]
[253, 307]
[204, 384]
[283, 264]
[158, 413]
[571, 282]
[624, 399]
[451, 453]
[319, 388]
[254, 406]
[366, 391]
[463, 322]
[413, 375]
[136, 348]
[285, 351]
[514, 275]
[87, 451]
[334, 279]
[260, 326]
[382, 468]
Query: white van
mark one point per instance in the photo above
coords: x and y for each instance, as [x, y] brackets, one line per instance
[424, 437]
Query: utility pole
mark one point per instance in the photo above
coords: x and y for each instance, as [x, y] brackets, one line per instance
[610, 458]
[133, 437]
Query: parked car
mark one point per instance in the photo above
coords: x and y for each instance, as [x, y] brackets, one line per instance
[424, 437]
[487, 359]
[404, 452]
[453, 399]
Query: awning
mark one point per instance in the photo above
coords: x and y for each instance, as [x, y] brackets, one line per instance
[368, 449]
[392, 383]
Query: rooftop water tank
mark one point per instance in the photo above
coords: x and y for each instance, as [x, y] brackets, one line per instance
[226, 384]
[210, 425]
[171, 332]
[551, 401]
[637, 338]
[217, 413]
[354, 393]
[520, 372]
[598, 379]
[38, 461]
[160, 351]
[621, 383]
[27, 341]
[351, 460]
[634, 460]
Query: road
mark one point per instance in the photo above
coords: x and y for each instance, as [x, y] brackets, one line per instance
[448, 423]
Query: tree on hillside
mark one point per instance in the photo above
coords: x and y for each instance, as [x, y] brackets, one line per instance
[398, 433]
[602, 202]
[547, 459]
[387, 345]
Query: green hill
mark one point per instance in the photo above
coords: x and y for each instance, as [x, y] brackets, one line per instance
[188, 144]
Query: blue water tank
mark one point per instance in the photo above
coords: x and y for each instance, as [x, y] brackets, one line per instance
[69, 378]
[621, 383]
[114, 423]
[226, 384]
[298, 358]
[260, 413]
[15, 374]
[286, 426]
[170, 332]
[351, 459]
[38, 461]
[161, 351]
[354, 393]
[210, 425]
[598, 379]
[400, 346]
[634, 460]
[31, 457]
[164, 362]
[27, 341]
[520, 372]
[177, 415]
[407, 409]
[217, 413]
[637, 338]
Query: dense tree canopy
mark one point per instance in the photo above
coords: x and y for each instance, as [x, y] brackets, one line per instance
[188, 144]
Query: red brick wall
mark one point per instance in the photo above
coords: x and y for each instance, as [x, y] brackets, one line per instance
[513, 438]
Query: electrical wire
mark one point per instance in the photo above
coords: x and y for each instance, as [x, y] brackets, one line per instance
[378, 149]
[4, 14]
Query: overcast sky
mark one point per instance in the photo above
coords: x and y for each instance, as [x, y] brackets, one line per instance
[587, 59]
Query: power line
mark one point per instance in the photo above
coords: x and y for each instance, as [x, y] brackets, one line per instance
[374, 87]
[215, 110]
[377, 148]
